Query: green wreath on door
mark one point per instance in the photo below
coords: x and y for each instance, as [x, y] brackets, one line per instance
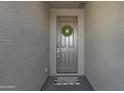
[67, 30]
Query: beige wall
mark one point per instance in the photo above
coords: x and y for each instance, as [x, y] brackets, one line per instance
[24, 39]
[104, 45]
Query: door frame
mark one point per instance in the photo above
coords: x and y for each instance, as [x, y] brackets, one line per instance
[53, 16]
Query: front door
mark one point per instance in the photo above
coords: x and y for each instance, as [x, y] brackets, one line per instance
[66, 44]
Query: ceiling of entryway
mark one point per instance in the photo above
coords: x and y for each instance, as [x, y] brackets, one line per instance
[67, 4]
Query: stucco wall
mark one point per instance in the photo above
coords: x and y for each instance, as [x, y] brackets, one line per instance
[24, 39]
[104, 45]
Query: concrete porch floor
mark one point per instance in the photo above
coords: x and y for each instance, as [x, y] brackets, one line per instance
[84, 85]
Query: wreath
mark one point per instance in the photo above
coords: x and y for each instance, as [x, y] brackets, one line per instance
[67, 30]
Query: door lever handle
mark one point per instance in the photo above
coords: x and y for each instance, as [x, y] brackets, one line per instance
[58, 52]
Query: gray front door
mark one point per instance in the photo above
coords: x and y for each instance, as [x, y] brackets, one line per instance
[67, 49]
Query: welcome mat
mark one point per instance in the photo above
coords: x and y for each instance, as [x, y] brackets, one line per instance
[66, 81]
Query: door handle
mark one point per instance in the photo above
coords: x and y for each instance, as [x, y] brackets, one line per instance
[58, 52]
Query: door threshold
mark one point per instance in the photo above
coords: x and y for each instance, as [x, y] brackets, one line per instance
[67, 74]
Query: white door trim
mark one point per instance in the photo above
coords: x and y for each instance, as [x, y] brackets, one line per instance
[66, 12]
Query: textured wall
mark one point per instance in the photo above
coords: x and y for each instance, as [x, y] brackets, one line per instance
[104, 45]
[24, 39]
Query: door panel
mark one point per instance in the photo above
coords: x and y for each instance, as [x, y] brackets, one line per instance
[66, 49]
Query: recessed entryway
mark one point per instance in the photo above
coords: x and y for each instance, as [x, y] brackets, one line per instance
[65, 44]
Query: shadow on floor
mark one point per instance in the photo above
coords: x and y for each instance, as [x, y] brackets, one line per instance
[84, 85]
